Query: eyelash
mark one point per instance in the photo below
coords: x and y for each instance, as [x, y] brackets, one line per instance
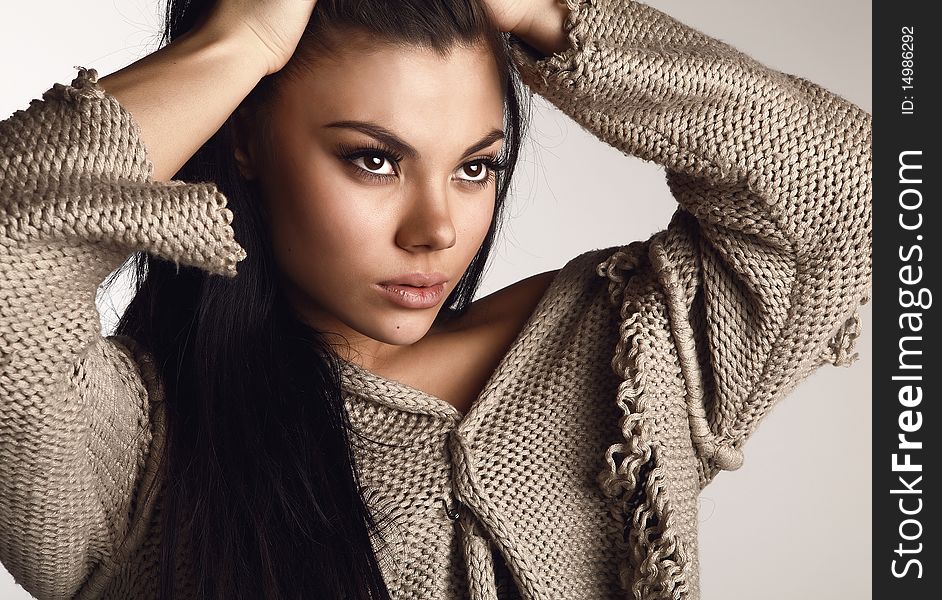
[493, 164]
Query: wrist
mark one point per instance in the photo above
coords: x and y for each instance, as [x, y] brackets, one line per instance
[544, 28]
[230, 44]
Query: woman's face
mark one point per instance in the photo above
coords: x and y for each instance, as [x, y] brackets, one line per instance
[378, 170]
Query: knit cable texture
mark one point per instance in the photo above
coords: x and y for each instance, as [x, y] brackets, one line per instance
[79, 414]
[762, 268]
[641, 374]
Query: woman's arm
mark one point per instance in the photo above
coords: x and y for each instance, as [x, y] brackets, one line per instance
[767, 258]
[82, 186]
[181, 94]
[78, 412]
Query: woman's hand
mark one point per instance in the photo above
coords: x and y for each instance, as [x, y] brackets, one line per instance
[271, 29]
[510, 15]
[537, 22]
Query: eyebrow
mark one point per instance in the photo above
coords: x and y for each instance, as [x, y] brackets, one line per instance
[399, 145]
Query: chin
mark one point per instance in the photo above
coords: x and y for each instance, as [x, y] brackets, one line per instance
[403, 331]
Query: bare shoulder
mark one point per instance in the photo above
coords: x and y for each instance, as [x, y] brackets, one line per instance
[455, 363]
[504, 312]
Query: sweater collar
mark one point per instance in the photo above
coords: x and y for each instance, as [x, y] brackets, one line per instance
[400, 397]
[393, 394]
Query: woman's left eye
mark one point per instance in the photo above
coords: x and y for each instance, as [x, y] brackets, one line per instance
[477, 170]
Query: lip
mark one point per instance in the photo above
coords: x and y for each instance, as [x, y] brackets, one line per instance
[417, 279]
[409, 296]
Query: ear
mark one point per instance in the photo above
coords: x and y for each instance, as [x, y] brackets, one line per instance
[243, 150]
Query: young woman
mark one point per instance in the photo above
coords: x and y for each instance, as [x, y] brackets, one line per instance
[302, 400]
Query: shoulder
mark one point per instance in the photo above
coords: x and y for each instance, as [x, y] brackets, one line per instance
[514, 304]
[492, 323]
[503, 313]
[509, 307]
[455, 363]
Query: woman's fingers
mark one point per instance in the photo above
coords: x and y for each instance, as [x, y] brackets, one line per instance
[270, 28]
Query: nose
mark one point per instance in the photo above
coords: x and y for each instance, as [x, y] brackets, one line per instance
[427, 222]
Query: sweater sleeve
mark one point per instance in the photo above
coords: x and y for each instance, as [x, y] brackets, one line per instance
[763, 266]
[76, 412]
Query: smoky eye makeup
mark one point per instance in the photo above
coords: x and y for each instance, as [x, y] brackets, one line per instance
[378, 155]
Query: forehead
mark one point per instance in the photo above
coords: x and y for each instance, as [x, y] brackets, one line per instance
[414, 91]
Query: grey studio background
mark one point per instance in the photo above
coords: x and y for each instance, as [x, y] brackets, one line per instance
[795, 520]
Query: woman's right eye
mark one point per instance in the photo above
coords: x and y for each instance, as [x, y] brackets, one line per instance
[374, 164]
[370, 161]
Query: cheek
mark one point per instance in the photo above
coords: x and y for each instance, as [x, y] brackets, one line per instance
[476, 219]
[320, 231]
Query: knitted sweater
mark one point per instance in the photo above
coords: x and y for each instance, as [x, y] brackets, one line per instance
[639, 376]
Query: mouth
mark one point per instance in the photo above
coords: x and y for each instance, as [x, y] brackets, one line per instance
[417, 280]
[411, 296]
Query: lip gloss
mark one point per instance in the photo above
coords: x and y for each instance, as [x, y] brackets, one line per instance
[409, 296]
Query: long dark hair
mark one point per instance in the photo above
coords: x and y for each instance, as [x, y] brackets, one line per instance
[257, 467]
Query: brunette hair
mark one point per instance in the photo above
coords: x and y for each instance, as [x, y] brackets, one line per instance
[257, 466]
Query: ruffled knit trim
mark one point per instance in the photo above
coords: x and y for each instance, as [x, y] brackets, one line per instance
[654, 559]
[565, 67]
[837, 352]
[85, 85]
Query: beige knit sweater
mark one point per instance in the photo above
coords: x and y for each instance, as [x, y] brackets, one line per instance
[639, 376]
